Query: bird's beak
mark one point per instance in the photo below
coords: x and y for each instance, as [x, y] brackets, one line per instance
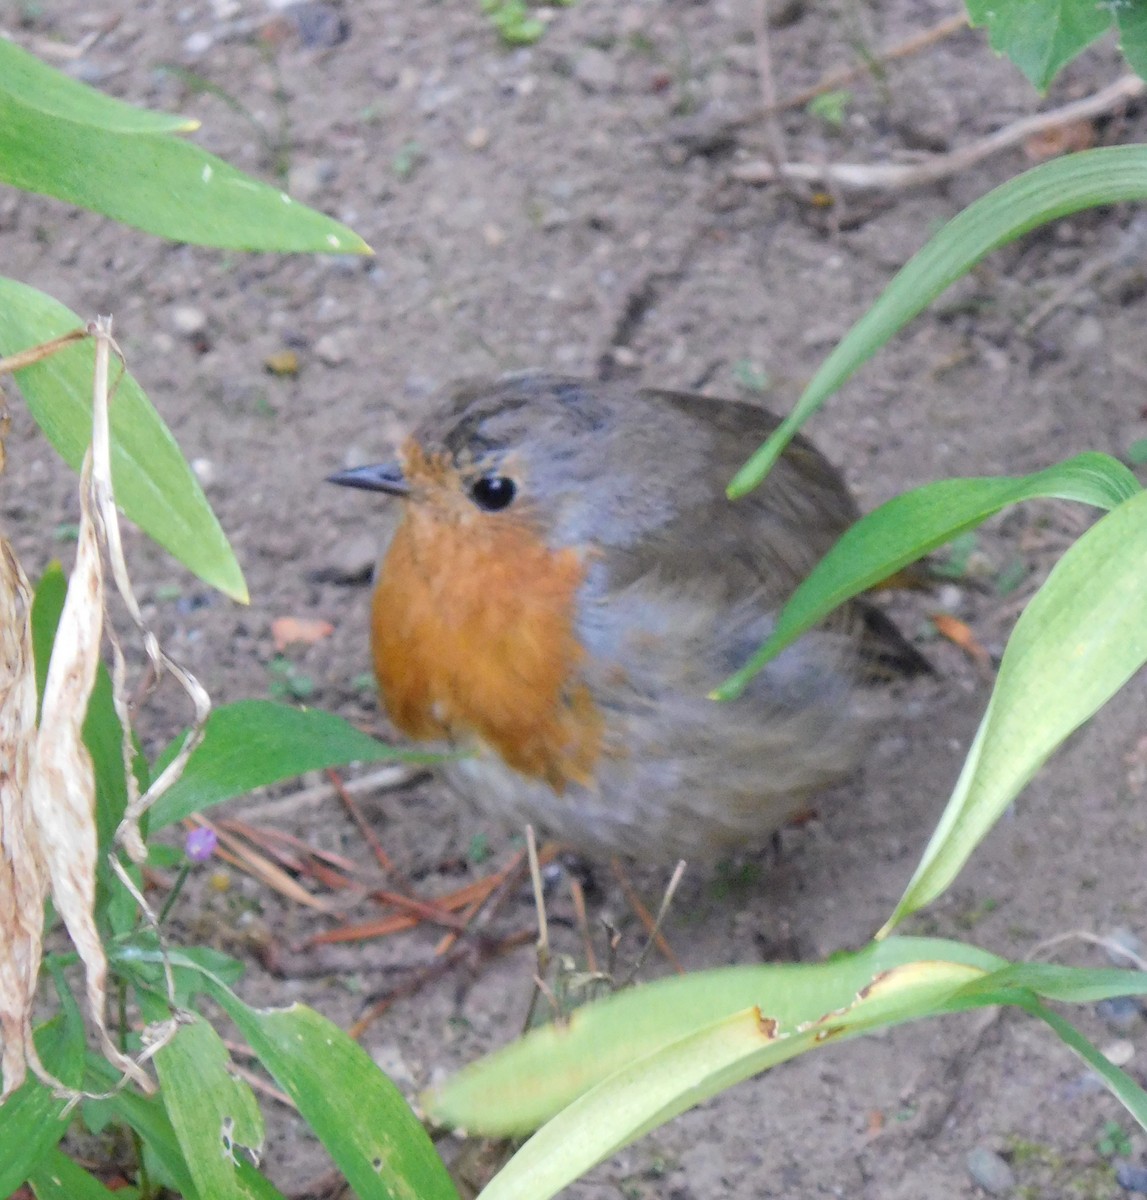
[378, 477]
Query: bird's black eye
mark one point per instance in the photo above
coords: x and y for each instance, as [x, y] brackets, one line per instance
[493, 492]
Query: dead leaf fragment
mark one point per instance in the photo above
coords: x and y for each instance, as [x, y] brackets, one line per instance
[23, 881]
[1065, 138]
[299, 631]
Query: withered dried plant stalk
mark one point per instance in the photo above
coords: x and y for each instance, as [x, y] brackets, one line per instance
[48, 838]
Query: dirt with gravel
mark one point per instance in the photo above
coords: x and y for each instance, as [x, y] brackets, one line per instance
[580, 205]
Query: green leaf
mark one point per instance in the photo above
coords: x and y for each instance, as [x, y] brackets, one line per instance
[711, 1047]
[1051, 190]
[1132, 21]
[153, 483]
[1121, 1085]
[915, 523]
[214, 1115]
[724, 1051]
[145, 1115]
[32, 1120]
[357, 1113]
[157, 183]
[196, 969]
[1041, 36]
[1081, 637]
[1066, 985]
[517, 1088]
[26, 79]
[253, 743]
[57, 1177]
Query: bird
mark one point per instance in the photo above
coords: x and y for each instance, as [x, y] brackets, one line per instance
[566, 584]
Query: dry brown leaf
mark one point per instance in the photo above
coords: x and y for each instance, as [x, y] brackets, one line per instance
[1065, 138]
[23, 882]
[959, 633]
[299, 631]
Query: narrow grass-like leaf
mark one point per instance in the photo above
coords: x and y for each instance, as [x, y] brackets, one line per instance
[145, 1115]
[1067, 985]
[1120, 1084]
[1042, 36]
[913, 524]
[1132, 21]
[356, 1112]
[1053, 189]
[158, 183]
[526, 1083]
[1081, 637]
[681, 1075]
[32, 1120]
[25, 78]
[154, 485]
[253, 743]
[214, 1115]
[57, 1177]
[722, 1048]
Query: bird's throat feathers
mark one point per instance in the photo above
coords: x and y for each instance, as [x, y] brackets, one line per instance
[473, 631]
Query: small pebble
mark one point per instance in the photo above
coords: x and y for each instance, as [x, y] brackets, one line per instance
[308, 177]
[319, 26]
[197, 44]
[1121, 1014]
[187, 320]
[990, 1171]
[595, 70]
[493, 235]
[1131, 1178]
[478, 138]
[204, 470]
[1088, 333]
[1122, 938]
[1119, 1053]
[329, 350]
[350, 560]
[949, 597]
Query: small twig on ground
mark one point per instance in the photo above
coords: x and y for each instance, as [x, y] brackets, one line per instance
[651, 926]
[364, 828]
[388, 778]
[841, 75]
[1114, 948]
[577, 893]
[774, 135]
[662, 912]
[896, 176]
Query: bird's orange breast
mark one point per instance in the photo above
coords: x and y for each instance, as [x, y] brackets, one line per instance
[473, 635]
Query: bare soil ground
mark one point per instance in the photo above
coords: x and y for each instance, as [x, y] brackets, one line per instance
[574, 206]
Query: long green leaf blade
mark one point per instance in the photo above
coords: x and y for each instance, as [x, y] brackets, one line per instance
[214, 1115]
[357, 1113]
[25, 78]
[519, 1087]
[154, 485]
[1051, 190]
[158, 183]
[57, 1177]
[1081, 637]
[915, 523]
[654, 1089]
[253, 743]
[32, 1120]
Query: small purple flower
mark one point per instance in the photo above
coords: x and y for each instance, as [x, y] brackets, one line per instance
[200, 845]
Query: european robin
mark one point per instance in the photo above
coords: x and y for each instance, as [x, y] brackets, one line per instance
[568, 582]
